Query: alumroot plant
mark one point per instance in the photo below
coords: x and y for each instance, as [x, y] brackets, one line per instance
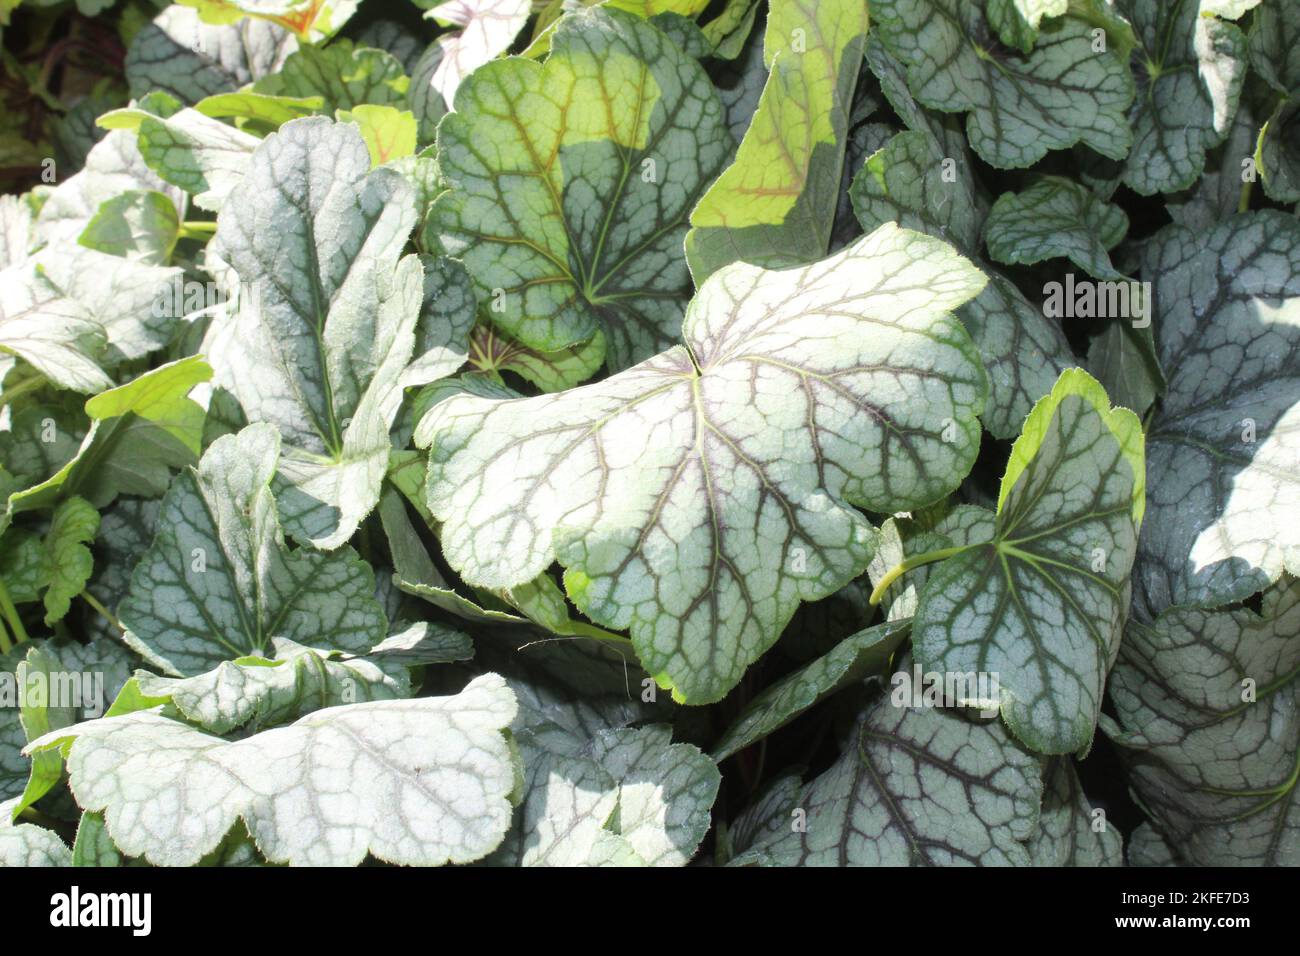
[481, 443]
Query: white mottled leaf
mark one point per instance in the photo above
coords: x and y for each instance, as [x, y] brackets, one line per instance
[700, 496]
[421, 782]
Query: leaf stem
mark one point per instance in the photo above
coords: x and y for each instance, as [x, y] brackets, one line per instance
[910, 564]
[22, 388]
[11, 615]
[196, 229]
[104, 612]
[5, 644]
[1243, 203]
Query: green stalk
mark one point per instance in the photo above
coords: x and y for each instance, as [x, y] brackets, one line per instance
[5, 644]
[11, 615]
[103, 612]
[195, 229]
[22, 388]
[916, 561]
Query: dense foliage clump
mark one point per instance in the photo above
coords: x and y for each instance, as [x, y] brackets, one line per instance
[649, 432]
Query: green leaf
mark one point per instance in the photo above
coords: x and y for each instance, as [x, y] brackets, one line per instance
[1068, 833]
[218, 583]
[1056, 218]
[24, 844]
[491, 350]
[908, 181]
[1274, 48]
[190, 150]
[903, 538]
[1189, 71]
[93, 846]
[447, 315]
[181, 55]
[419, 782]
[1223, 445]
[422, 643]
[1021, 105]
[327, 321]
[1277, 154]
[389, 133]
[1041, 605]
[139, 432]
[699, 497]
[267, 691]
[63, 682]
[775, 204]
[1206, 705]
[72, 527]
[915, 786]
[14, 768]
[270, 112]
[344, 76]
[573, 220]
[854, 658]
[139, 224]
[113, 166]
[1120, 358]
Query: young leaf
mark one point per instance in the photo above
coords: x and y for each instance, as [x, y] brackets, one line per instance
[72, 527]
[1066, 91]
[218, 583]
[915, 786]
[1042, 603]
[418, 782]
[775, 204]
[389, 133]
[1056, 217]
[1206, 705]
[573, 220]
[1223, 445]
[491, 350]
[327, 318]
[699, 497]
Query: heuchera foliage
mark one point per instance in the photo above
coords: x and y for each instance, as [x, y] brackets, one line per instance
[655, 432]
